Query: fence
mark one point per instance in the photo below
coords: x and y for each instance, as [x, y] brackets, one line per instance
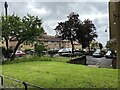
[22, 82]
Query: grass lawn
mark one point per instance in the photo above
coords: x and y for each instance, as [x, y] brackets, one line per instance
[50, 74]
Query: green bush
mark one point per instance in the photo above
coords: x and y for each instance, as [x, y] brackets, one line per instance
[6, 52]
[27, 58]
[39, 49]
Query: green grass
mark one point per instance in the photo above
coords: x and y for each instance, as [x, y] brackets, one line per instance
[50, 74]
[35, 58]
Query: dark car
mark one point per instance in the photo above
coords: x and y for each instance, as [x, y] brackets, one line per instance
[68, 52]
[30, 52]
[98, 53]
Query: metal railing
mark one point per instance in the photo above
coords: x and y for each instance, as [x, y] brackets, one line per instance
[19, 81]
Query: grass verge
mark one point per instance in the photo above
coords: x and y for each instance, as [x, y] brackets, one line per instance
[60, 75]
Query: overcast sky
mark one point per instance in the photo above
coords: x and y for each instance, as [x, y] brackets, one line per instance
[56, 11]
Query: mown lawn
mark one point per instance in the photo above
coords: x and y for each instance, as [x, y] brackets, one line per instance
[50, 74]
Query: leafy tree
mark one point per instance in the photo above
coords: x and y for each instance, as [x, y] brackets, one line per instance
[94, 44]
[87, 33]
[108, 44]
[67, 30]
[5, 33]
[75, 30]
[27, 29]
[5, 29]
[6, 52]
[100, 45]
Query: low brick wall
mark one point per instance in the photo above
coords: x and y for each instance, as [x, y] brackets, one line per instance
[80, 60]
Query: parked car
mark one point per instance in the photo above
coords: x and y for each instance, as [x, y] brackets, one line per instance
[110, 54]
[30, 52]
[65, 51]
[78, 52]
[53, 52]
[68, 52]
[98, 53]
[19, 53]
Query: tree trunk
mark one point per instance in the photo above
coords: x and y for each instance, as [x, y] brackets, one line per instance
[72, 46]
[88, 46]
[6, 40]
[82, 44]
[7, 52]
[14, 51]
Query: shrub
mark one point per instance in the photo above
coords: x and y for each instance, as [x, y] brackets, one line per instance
[39, 50]
[6, 52]
[28, 58]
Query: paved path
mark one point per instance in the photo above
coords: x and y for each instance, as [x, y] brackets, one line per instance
[101, 62]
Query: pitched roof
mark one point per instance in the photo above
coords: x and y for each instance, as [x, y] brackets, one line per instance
[51, 38]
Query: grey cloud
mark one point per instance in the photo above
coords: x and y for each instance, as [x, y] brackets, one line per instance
[60, 10]
[103, 22]
[49, 30]
[1, 7]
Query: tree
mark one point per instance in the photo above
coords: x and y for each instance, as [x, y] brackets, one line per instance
[100, 45]
[107, 44]
[5, 32]
[39, 49]
[87, 33]
[75, 30]
[27, 29]
[67, 30]
[94, 44]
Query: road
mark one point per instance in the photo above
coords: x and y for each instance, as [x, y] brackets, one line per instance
[101, 62]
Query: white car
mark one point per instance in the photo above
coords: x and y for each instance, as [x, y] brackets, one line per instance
[63, 50]
[109, 54]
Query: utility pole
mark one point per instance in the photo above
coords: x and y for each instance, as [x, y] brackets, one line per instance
[6, 6]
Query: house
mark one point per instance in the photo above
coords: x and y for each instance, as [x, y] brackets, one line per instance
[50, 42]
